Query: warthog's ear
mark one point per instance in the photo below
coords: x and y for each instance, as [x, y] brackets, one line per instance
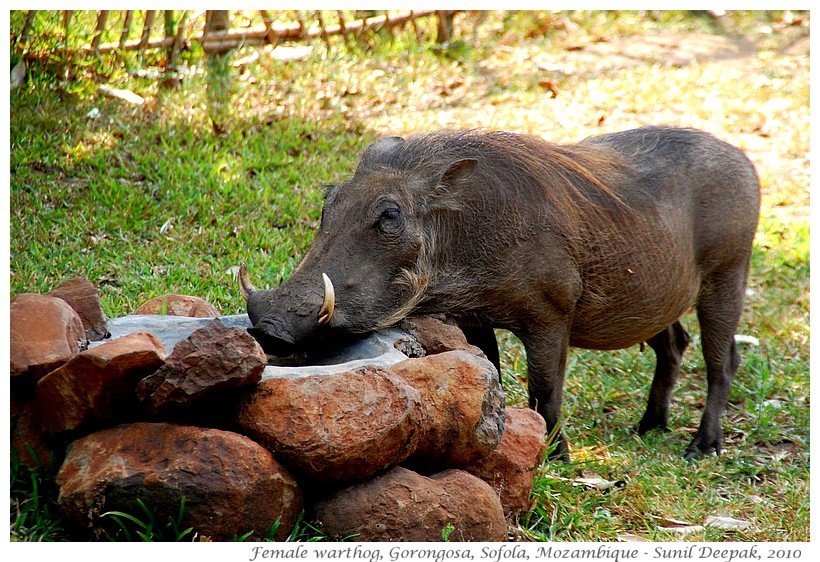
[444, 194]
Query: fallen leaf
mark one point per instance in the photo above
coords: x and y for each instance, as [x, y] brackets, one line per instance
[682, 530]
[727, 523]
[126, 95]
[598, 483]
[18, 74]
[741, 338]
[677, 526]
[551, 87]
[669, 522]
[291, 53]
[245, 61]
[629, 537]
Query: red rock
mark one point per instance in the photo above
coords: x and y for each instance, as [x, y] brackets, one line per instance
[83, 297]
[32, 447]
[211, 360]
[437, 336]
[231, 485]
[510, 468]
[402, 505]
[179, 305]
[45, 333]
[463, 407]
[335, 428]
[96, 387]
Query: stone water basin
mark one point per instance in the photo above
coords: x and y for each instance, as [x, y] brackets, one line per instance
[387, 401]
[377, 349]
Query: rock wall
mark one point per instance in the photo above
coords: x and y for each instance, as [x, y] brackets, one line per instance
[395, 452]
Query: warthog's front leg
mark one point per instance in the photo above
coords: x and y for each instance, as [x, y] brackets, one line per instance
[547, 348]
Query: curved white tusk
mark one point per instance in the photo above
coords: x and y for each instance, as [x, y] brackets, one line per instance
[245, 285]
[329, 303]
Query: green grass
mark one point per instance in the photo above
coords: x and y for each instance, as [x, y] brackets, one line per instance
[147, 200]
[34, 514]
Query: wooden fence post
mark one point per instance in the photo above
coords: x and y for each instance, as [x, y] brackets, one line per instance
[179, 39]
[66, 19]
[220, 81]
[217, 20]
[126, 27]
[268, 20]
[98, 31]
[323, 29]
[146, 29]
[30, 15]
[445, 26]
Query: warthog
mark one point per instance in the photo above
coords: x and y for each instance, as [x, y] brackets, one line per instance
[602, 244]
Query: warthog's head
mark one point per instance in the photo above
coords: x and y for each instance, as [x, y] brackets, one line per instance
[370, 264]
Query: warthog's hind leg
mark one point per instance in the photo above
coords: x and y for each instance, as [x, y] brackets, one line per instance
[719, 308]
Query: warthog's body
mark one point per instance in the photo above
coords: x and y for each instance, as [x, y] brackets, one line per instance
[603, 245]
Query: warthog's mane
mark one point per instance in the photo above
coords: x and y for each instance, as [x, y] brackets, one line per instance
[570, 181]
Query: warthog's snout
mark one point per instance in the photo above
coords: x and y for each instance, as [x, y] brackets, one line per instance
[273, 335]
[277, 332]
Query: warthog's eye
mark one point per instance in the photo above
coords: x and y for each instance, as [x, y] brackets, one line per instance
[389, 222]
[390, 214]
